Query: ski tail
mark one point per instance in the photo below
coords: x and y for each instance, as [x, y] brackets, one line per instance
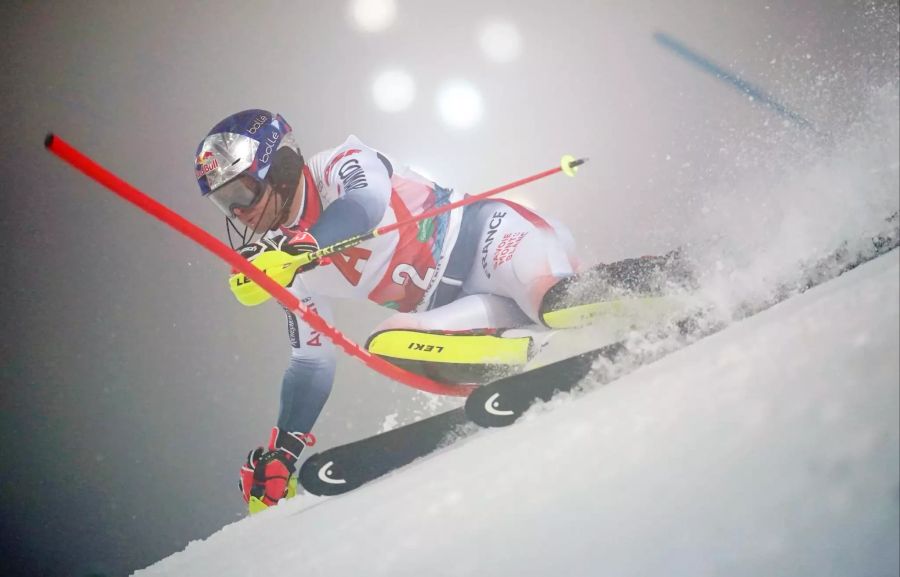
[344, 468]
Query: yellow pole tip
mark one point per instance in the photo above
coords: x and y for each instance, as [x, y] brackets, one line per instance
[568, 166]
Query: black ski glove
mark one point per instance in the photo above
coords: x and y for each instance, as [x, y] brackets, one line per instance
[293, 243]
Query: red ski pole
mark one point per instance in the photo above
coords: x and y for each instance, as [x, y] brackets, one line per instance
[249, 294]
[568, 165]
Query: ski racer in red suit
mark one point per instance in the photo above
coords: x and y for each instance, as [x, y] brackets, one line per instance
[491, 265]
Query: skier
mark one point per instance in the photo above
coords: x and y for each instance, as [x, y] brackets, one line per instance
[456, 279]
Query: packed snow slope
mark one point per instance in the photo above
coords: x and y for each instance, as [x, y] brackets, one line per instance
[770, 448]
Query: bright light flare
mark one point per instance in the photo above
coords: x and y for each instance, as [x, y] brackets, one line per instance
[372, 15]
[500, 41]
[459, 104]
[393, 90]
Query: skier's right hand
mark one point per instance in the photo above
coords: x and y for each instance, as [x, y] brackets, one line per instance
[251, 250]
[297, 243]
[294, 243]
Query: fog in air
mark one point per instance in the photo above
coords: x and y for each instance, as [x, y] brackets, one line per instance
[753, 135]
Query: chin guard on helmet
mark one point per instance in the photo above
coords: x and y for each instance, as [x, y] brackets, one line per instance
[285, 173]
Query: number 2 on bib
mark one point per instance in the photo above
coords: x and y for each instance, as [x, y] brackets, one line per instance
[406, 272]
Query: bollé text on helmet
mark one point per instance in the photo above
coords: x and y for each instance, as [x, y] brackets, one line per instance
[257, 124]
[271, 141]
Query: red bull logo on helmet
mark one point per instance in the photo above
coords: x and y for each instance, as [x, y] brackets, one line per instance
[206, 163]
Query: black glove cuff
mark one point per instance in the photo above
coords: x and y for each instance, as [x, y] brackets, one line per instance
[290, 443]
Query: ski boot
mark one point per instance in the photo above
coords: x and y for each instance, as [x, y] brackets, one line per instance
[645, 286]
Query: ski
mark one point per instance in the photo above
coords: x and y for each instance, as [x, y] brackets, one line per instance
[502, 402]
[346, 467]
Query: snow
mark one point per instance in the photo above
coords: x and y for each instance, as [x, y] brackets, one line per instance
[770, 448]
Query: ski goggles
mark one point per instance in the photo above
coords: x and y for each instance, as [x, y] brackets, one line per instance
[222, 157]
[242, 192]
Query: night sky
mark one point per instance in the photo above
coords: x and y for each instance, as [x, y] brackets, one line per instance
[132, 382]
